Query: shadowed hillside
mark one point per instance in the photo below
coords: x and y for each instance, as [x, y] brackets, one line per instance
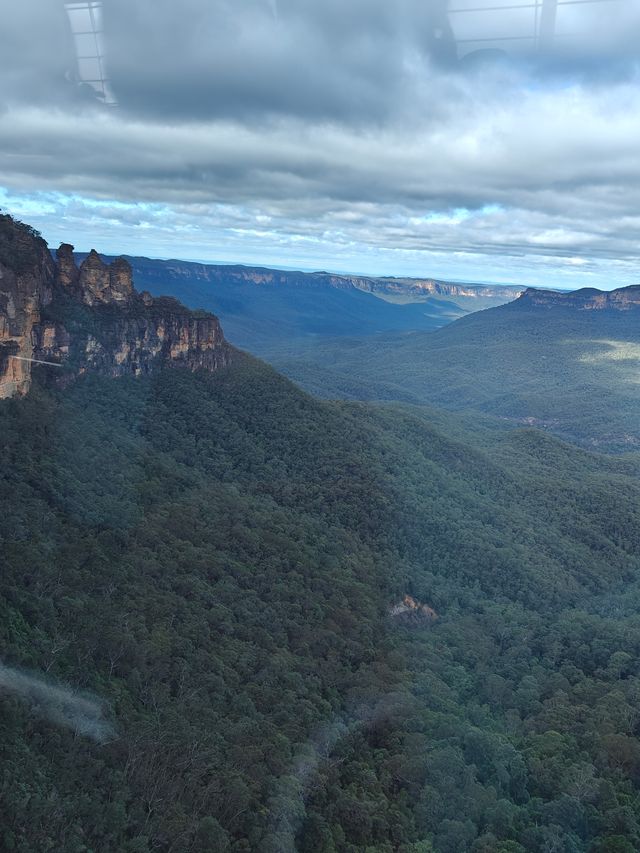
[217, 558]
[567, 363]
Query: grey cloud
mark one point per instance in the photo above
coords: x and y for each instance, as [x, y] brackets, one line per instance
[525, 191]
[37, 54]
[541, 150]
[299, 123]
[365, 60]
[346, 61]
[214, 58]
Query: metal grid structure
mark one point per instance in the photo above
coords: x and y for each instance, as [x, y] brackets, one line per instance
[85, 19]
[528, 26]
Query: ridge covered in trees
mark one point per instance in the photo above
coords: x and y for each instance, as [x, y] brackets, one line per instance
[215, 558]
[542, 360]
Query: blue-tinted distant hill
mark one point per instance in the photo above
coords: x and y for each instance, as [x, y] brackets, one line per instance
[260, 307]
[564, 362]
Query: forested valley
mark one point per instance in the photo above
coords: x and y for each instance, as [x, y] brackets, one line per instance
[213, 559]
[545, 359]
[319, 426]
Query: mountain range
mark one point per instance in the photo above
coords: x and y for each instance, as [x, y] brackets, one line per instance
[238, 617]
[259, 307]
[562, 362]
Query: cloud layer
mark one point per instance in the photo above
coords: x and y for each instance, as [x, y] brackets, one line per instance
[364, 136]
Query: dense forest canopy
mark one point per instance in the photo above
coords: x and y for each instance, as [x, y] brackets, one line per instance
[563, 369]
[210, 561]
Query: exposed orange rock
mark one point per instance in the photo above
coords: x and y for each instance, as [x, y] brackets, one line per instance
[26, 281]
[105, 284]
[140, 335]
[67, 273]
[409, 608]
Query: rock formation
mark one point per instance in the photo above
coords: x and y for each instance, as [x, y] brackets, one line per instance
[89, 318]
[105, 284]
[26, 285]
[414, 288]
[423, 287]
[67, 273]
[412, 610]
[587, 299]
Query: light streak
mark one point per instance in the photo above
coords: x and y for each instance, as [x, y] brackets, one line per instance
[36, 361]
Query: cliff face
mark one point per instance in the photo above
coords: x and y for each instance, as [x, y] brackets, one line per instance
[587, 299]
[89, 318]
[161, 336]
[102, 284]
[433, 287]
[26, 285]
[263, 277]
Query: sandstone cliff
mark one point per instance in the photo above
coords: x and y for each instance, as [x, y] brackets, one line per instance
[409, 288]
[26, 286]
[420, 287]
[587, 299]
[89, 318]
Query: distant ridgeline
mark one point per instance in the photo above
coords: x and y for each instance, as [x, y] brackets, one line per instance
[419, 288]
[260, 307]
[89, 318]
[563, 362]
[235, 618]
[587, 299]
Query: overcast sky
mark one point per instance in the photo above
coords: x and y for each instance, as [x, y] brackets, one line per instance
[354, 135]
